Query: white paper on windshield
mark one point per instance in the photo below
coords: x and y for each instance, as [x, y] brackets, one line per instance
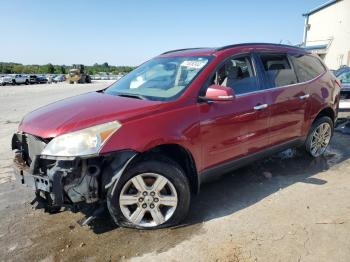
[194, 64]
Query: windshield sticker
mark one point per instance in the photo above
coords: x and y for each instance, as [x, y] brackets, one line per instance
[194, 64]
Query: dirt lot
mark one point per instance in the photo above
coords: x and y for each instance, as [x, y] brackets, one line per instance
[285, 208]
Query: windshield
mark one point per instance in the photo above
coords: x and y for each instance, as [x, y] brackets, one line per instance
[162, 78]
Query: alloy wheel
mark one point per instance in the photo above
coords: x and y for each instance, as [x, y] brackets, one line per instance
[148, 200]
[320, 139]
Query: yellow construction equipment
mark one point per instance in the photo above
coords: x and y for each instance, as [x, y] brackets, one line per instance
[78, 75]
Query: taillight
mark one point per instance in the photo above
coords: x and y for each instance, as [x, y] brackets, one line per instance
[338, 82]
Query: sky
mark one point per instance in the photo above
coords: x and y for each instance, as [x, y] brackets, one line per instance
[131, 31]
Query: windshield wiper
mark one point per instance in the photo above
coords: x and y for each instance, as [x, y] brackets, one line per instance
[132, 96]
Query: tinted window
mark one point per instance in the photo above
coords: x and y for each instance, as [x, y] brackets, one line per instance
[238, 74]
[307, 67]
[278, 70]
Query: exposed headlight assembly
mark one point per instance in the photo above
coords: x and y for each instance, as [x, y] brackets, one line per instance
[83, 142]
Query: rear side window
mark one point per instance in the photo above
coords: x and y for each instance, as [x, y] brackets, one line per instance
[307, 67]
[278, 70]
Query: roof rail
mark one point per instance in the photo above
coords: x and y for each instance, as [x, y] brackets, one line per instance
[183, 49]
[237, 45]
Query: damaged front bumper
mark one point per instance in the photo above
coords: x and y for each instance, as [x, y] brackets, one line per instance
[65, 182]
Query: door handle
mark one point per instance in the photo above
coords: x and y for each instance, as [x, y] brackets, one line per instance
[304, 97]
[260, 107]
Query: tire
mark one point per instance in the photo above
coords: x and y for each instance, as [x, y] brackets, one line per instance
[27, 82]
[14, 82]
[71, 82]
[164, 168]
[312, 138]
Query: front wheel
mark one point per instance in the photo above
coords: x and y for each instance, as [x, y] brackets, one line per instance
[319, 136]
[152, 194]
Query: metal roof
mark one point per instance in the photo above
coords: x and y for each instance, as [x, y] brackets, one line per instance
[319, 8]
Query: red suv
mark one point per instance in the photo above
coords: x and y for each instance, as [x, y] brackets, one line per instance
[145, 144]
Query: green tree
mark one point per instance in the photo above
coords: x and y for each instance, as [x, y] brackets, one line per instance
[50, 69]
[62, 69]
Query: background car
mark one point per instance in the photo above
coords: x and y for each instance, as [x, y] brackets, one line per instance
[343, 74]
[17, 79]
[33, 79]
[5, 80]
[41, 79]
[59, 78]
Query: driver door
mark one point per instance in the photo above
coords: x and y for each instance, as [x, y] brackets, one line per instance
[234, 129]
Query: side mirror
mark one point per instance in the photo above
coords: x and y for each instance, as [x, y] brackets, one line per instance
[219, 93]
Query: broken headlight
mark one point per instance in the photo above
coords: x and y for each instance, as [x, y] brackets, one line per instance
[81, 143]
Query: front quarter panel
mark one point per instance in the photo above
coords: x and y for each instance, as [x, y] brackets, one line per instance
[178, 125]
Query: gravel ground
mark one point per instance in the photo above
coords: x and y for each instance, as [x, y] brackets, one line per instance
[288, 207]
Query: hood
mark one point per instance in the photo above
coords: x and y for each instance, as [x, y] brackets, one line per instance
[83, 111]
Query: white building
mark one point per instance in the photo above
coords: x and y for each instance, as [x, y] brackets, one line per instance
[327, 32]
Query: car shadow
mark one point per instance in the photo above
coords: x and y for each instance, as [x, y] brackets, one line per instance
[247, 186]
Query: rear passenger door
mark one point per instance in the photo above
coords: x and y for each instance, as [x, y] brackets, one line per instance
[287, 99]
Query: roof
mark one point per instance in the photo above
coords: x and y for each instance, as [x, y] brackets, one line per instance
[321, 7]
[201, 51]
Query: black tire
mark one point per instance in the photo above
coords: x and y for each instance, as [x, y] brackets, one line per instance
[14, 82]
[315, 124]
[164, 167]
[71, 82]
[27, 82]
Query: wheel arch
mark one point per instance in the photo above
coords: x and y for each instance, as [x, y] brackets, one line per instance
[327, 111]
[178, 154]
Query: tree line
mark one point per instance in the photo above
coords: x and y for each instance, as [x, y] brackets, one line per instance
[16, 68]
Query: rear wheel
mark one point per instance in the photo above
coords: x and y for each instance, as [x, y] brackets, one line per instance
[152, 194]
[27, 82]
[319, 136]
